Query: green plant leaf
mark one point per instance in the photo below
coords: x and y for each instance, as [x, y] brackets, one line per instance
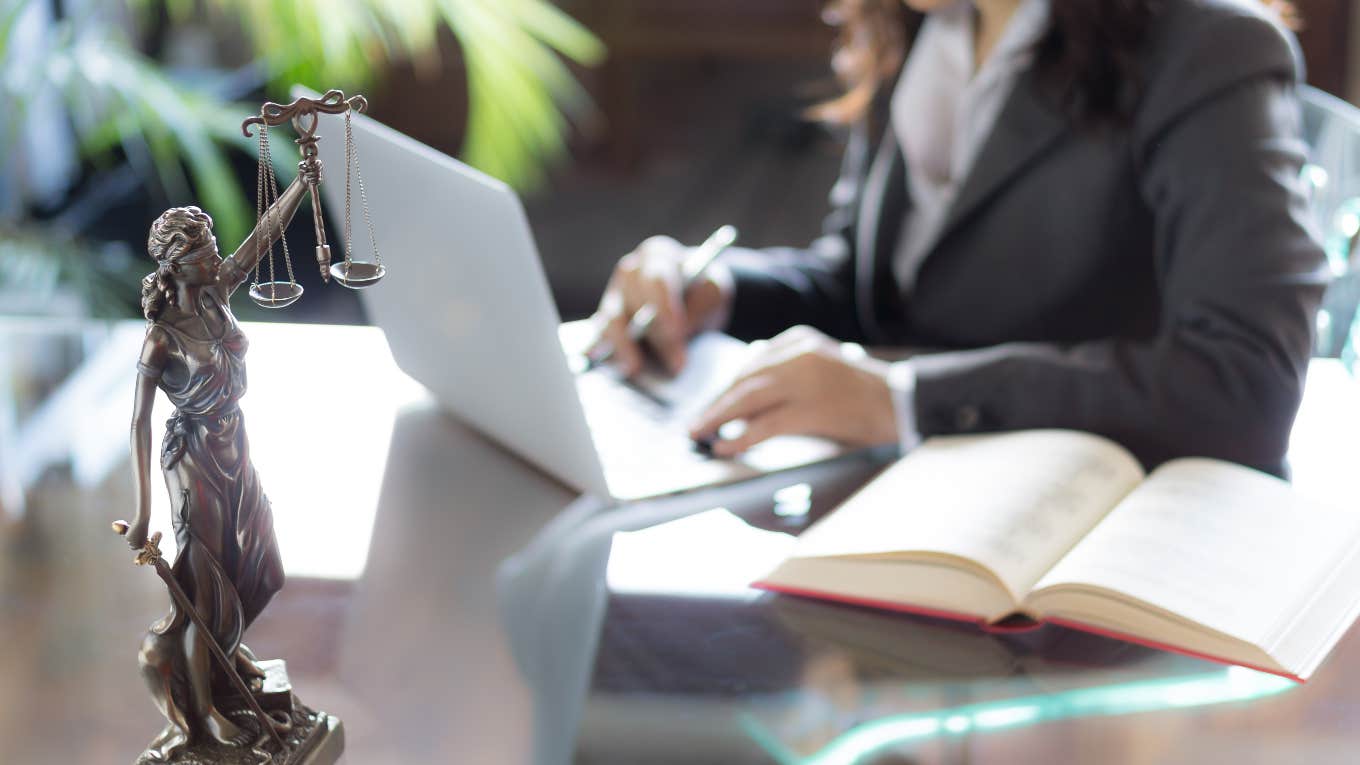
[9, 16]
[520, 88]
[153, 111]
[522, 94]
[553, 26]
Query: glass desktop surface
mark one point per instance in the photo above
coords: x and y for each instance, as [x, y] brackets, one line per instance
[721, 672]
[453, 604]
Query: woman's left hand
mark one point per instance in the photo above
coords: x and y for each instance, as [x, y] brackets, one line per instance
[803, 382]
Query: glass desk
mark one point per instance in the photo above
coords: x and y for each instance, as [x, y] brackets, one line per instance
[725, 674]
[453, 604]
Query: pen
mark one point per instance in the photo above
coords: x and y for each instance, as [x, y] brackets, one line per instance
[691, 270]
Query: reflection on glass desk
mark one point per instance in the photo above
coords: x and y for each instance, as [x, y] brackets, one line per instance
[722, 673]
[453, 604]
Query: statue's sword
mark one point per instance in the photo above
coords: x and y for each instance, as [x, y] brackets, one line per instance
[151, 554]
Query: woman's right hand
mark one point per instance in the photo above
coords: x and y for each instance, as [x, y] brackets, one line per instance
[652, 275]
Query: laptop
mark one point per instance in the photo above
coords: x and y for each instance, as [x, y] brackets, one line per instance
[467, 312]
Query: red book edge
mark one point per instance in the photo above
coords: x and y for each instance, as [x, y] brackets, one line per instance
[888, 605]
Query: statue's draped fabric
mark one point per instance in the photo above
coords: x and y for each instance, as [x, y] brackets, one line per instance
[228, 561]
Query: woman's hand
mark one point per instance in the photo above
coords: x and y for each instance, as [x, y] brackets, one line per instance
[652, 275]
[805, 383]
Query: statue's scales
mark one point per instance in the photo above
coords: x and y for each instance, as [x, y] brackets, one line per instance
[304, 114]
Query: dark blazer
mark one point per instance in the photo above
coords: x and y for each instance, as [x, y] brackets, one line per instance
[1154, 283]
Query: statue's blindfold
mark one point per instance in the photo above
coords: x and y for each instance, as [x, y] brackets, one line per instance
[195, 256]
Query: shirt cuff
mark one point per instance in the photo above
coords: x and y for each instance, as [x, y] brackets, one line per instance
[902, 383]
[722, 276]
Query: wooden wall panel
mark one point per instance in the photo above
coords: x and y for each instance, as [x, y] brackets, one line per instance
[1325, 35]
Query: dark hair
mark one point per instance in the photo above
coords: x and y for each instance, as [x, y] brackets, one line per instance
[1088, 57]
[869, 50]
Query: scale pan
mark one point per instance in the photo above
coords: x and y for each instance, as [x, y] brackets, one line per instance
[357, 274]
[275, 294]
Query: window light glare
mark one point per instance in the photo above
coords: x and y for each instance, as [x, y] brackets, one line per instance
[957, 724]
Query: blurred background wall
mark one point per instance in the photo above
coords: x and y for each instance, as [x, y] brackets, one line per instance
[617, 119]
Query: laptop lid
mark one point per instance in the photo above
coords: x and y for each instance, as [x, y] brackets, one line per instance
[465, 304]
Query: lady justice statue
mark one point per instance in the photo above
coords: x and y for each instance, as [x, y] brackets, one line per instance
[222, 705]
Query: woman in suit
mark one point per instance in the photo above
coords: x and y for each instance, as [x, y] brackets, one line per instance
[1083, 213]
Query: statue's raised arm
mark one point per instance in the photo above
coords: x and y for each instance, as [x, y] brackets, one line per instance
[236, 267]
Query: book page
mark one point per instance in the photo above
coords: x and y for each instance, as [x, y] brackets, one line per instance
[1013, 502]
[1232, 549]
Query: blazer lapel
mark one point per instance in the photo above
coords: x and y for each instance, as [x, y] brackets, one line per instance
[882, 205]
[1026, 126]
[885, 206]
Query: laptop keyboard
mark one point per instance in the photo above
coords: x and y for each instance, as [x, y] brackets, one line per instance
[644, 403]
[642, 438]
[632, 427]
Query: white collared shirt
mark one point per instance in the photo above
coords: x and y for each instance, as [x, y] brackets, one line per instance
[943, 111]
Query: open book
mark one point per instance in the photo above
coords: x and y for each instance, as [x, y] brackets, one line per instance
[1201, 557]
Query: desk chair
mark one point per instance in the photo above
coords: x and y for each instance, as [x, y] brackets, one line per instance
[1332, 179]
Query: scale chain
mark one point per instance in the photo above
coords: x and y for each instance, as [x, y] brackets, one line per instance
[349, 163]
[278, 225]
[268, 183]
[276, 221]
[259, 210]
[352, 151]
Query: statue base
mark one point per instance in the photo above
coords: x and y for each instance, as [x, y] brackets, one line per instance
[313, 738]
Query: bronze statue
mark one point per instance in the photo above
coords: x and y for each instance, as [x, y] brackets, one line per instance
[208, 684]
